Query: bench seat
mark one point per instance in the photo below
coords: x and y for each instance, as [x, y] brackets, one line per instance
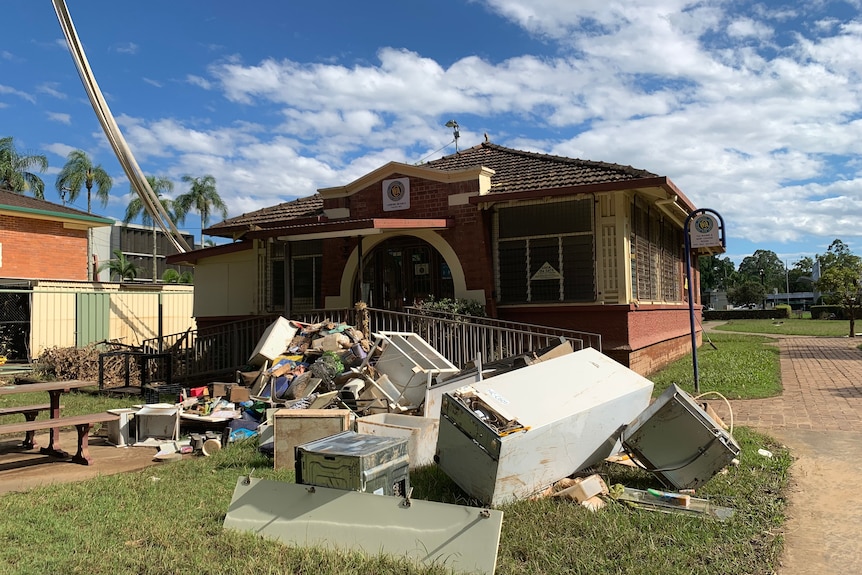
[30, 412]
[82, 423]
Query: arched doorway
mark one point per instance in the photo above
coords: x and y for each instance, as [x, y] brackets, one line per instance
[403, 270]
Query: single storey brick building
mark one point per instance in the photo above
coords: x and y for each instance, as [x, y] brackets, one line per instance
[535, 238]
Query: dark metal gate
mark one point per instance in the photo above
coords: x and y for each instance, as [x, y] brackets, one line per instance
[15, 325]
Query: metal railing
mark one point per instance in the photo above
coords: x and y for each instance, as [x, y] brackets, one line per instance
[218, 351]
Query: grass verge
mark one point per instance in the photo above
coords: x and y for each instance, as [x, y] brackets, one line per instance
[739, 367]
[168, 519]
[812, 327]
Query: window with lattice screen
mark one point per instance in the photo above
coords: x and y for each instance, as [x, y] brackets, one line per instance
[656, 251]
[546, 252]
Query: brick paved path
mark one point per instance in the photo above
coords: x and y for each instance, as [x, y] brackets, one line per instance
[822, 380]
[819, 417]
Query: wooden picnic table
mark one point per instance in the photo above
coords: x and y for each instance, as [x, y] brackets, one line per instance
[54, 389]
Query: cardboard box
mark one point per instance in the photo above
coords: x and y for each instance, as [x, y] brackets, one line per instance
[239, 394]
[222, 389]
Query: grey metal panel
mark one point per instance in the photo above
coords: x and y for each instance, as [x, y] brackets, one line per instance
[676, 439]
[464, 539]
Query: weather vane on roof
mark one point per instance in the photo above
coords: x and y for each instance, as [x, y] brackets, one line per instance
[454, 125]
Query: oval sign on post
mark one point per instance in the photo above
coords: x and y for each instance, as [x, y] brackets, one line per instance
[704, 231]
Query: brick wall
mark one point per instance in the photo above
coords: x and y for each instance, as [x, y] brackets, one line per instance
[428, 199]
[42, 249]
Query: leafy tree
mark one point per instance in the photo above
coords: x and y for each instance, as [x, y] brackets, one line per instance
[203, 198]
[80, 171]
[14, 170]
[799, 276]
[716, 273]
[136, 208]
[765, 267]
[121, 266]
[750, 292]
[840, 274]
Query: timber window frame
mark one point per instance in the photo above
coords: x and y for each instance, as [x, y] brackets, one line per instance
[545, 252]
[656, 255]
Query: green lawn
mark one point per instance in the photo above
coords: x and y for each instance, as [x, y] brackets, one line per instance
[168, 519]
[813, 327]
[739, 366]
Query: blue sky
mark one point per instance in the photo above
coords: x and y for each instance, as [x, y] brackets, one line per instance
[753, 109]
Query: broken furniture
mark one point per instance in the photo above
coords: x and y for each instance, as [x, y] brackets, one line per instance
[157, 421]
[122, 431]
[81, 423]
[464, 539]
[516, 434]
[410, 366]
[292, 427]
[273, 342]
[677, 441]
[355, 461]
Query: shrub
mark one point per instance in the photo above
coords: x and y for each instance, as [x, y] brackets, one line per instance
[456, 305]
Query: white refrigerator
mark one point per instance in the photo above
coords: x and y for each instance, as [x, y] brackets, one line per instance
[519, 432]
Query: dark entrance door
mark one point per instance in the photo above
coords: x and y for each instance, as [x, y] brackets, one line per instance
[402, 271]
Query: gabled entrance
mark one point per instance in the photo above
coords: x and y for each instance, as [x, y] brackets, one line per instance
[402, 271]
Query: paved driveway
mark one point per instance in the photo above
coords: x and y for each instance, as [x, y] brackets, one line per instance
[819, 416]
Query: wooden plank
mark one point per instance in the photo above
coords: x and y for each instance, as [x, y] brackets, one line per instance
[46, 386]
[70, 421]
[14, 410]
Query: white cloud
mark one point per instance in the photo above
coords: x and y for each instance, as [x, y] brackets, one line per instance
[59, 117]
[126, 48]
[198, 81]
[743, 28]
[152, 82]
[15, 92]
[52, 89]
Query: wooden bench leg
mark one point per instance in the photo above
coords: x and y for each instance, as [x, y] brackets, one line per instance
[53, 448]
[29, 441]
[83, 454]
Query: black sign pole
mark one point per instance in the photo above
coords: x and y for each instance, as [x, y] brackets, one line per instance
[687, 233]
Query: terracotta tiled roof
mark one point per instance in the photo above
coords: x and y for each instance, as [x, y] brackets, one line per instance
[515, 171]
[14, 200]
[274, 216]
[519, 171]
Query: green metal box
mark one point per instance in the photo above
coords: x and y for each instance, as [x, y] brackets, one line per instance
[356, 462]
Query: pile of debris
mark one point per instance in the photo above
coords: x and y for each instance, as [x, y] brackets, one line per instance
[73, 363]
[517, 428]
[351, 412]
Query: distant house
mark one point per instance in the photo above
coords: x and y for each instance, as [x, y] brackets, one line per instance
[46, 299]
[42, 240]
[535, 238]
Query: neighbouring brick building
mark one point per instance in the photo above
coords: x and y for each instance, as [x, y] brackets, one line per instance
[42, 240]
[539, 239]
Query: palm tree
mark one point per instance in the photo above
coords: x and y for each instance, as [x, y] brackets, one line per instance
[121, 266]
[202, 197]
[80, 171]
[172, 276]
[136, 208]
[14, 174]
